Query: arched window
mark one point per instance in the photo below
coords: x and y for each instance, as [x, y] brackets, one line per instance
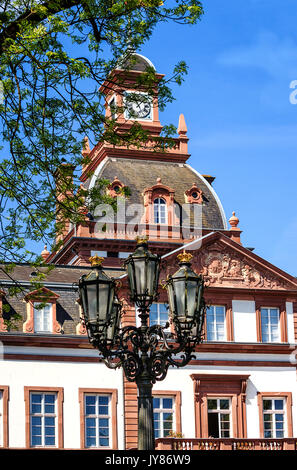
[160, 211]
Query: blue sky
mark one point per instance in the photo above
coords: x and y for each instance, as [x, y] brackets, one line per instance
[242, 126]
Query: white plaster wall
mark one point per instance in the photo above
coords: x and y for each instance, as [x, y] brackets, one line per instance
[261, 380]
[71, 376]
[180, 380]
[290, 322]
[244, 321]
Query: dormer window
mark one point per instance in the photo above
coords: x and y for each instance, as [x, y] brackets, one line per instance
[159, 205]
[41, 312]
[42, 318]
[194, 195]
[160, 211]
[116, 187]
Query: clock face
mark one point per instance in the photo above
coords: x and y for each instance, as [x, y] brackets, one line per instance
[137, 106]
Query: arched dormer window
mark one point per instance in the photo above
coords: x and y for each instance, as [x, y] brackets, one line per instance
[160, 211]
[159, 205]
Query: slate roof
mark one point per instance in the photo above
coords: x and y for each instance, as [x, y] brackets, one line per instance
[60, 280]
[59, 275]
[141, 174]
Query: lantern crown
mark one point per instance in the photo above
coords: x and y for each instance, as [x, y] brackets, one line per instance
[96, 260]
[184, 257]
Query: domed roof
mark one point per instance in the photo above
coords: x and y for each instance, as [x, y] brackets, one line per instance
[136, 62]
[139, 175]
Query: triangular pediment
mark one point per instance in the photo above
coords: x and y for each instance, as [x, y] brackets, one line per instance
[225, 263]
[41, 294]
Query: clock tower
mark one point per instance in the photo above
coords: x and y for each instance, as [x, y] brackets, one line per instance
[158, 193]
[127, 99]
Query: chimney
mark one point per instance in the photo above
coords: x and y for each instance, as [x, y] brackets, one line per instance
[209, 179]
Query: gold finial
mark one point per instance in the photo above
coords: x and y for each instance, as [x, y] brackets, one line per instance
[141, 239]
[184, 257]
[96, 260]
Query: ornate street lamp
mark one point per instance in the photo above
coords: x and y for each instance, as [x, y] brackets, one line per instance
[144, 352]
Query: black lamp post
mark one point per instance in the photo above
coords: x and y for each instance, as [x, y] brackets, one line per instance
[144, 352]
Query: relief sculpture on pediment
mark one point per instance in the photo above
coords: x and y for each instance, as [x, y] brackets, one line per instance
[221, 266]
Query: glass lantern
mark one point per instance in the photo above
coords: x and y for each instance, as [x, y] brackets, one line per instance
[143, 269]
[97, 296]
[185, 296]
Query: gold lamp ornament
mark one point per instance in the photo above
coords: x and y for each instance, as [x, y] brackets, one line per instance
[185, 257]
[96, 260]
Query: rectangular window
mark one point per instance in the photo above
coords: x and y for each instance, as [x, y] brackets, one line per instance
[163, 416]
[274, 417]
[216, 323]
[97, 420]
[42, 318]
[219, 417]
[158, 314]
[113, 107]
[43, 416]
[270, 325]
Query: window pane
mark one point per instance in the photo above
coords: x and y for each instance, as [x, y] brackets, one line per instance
[36, 420]
[103, 400]
[103, 432]
[49, 421]
[90, 409]
[36, 440]
[167, 403]
[103, 410]
[49, 441]
[35, 408]
[91, 422]
[279, 425]
[49, 431]
[91, 441]
[90, 399]
[103, 442]
[267, 404]
[103, 422]
[224, 404]
[49, 409]
[35, 398]
[278, 404]
[212, 404]
[279, 417]
[49, 399]
[36, 430]
[156, 402]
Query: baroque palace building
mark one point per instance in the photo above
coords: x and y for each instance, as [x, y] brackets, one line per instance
[240, 391]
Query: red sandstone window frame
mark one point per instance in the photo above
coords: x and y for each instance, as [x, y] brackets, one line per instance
[281, 306]
[176, 395]
[227, 303]
[59, 391]
[288, 410]
[159, 191]
[190, 199]
[4, 389]
[220, 386]
[46, 296]
[113, 393]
